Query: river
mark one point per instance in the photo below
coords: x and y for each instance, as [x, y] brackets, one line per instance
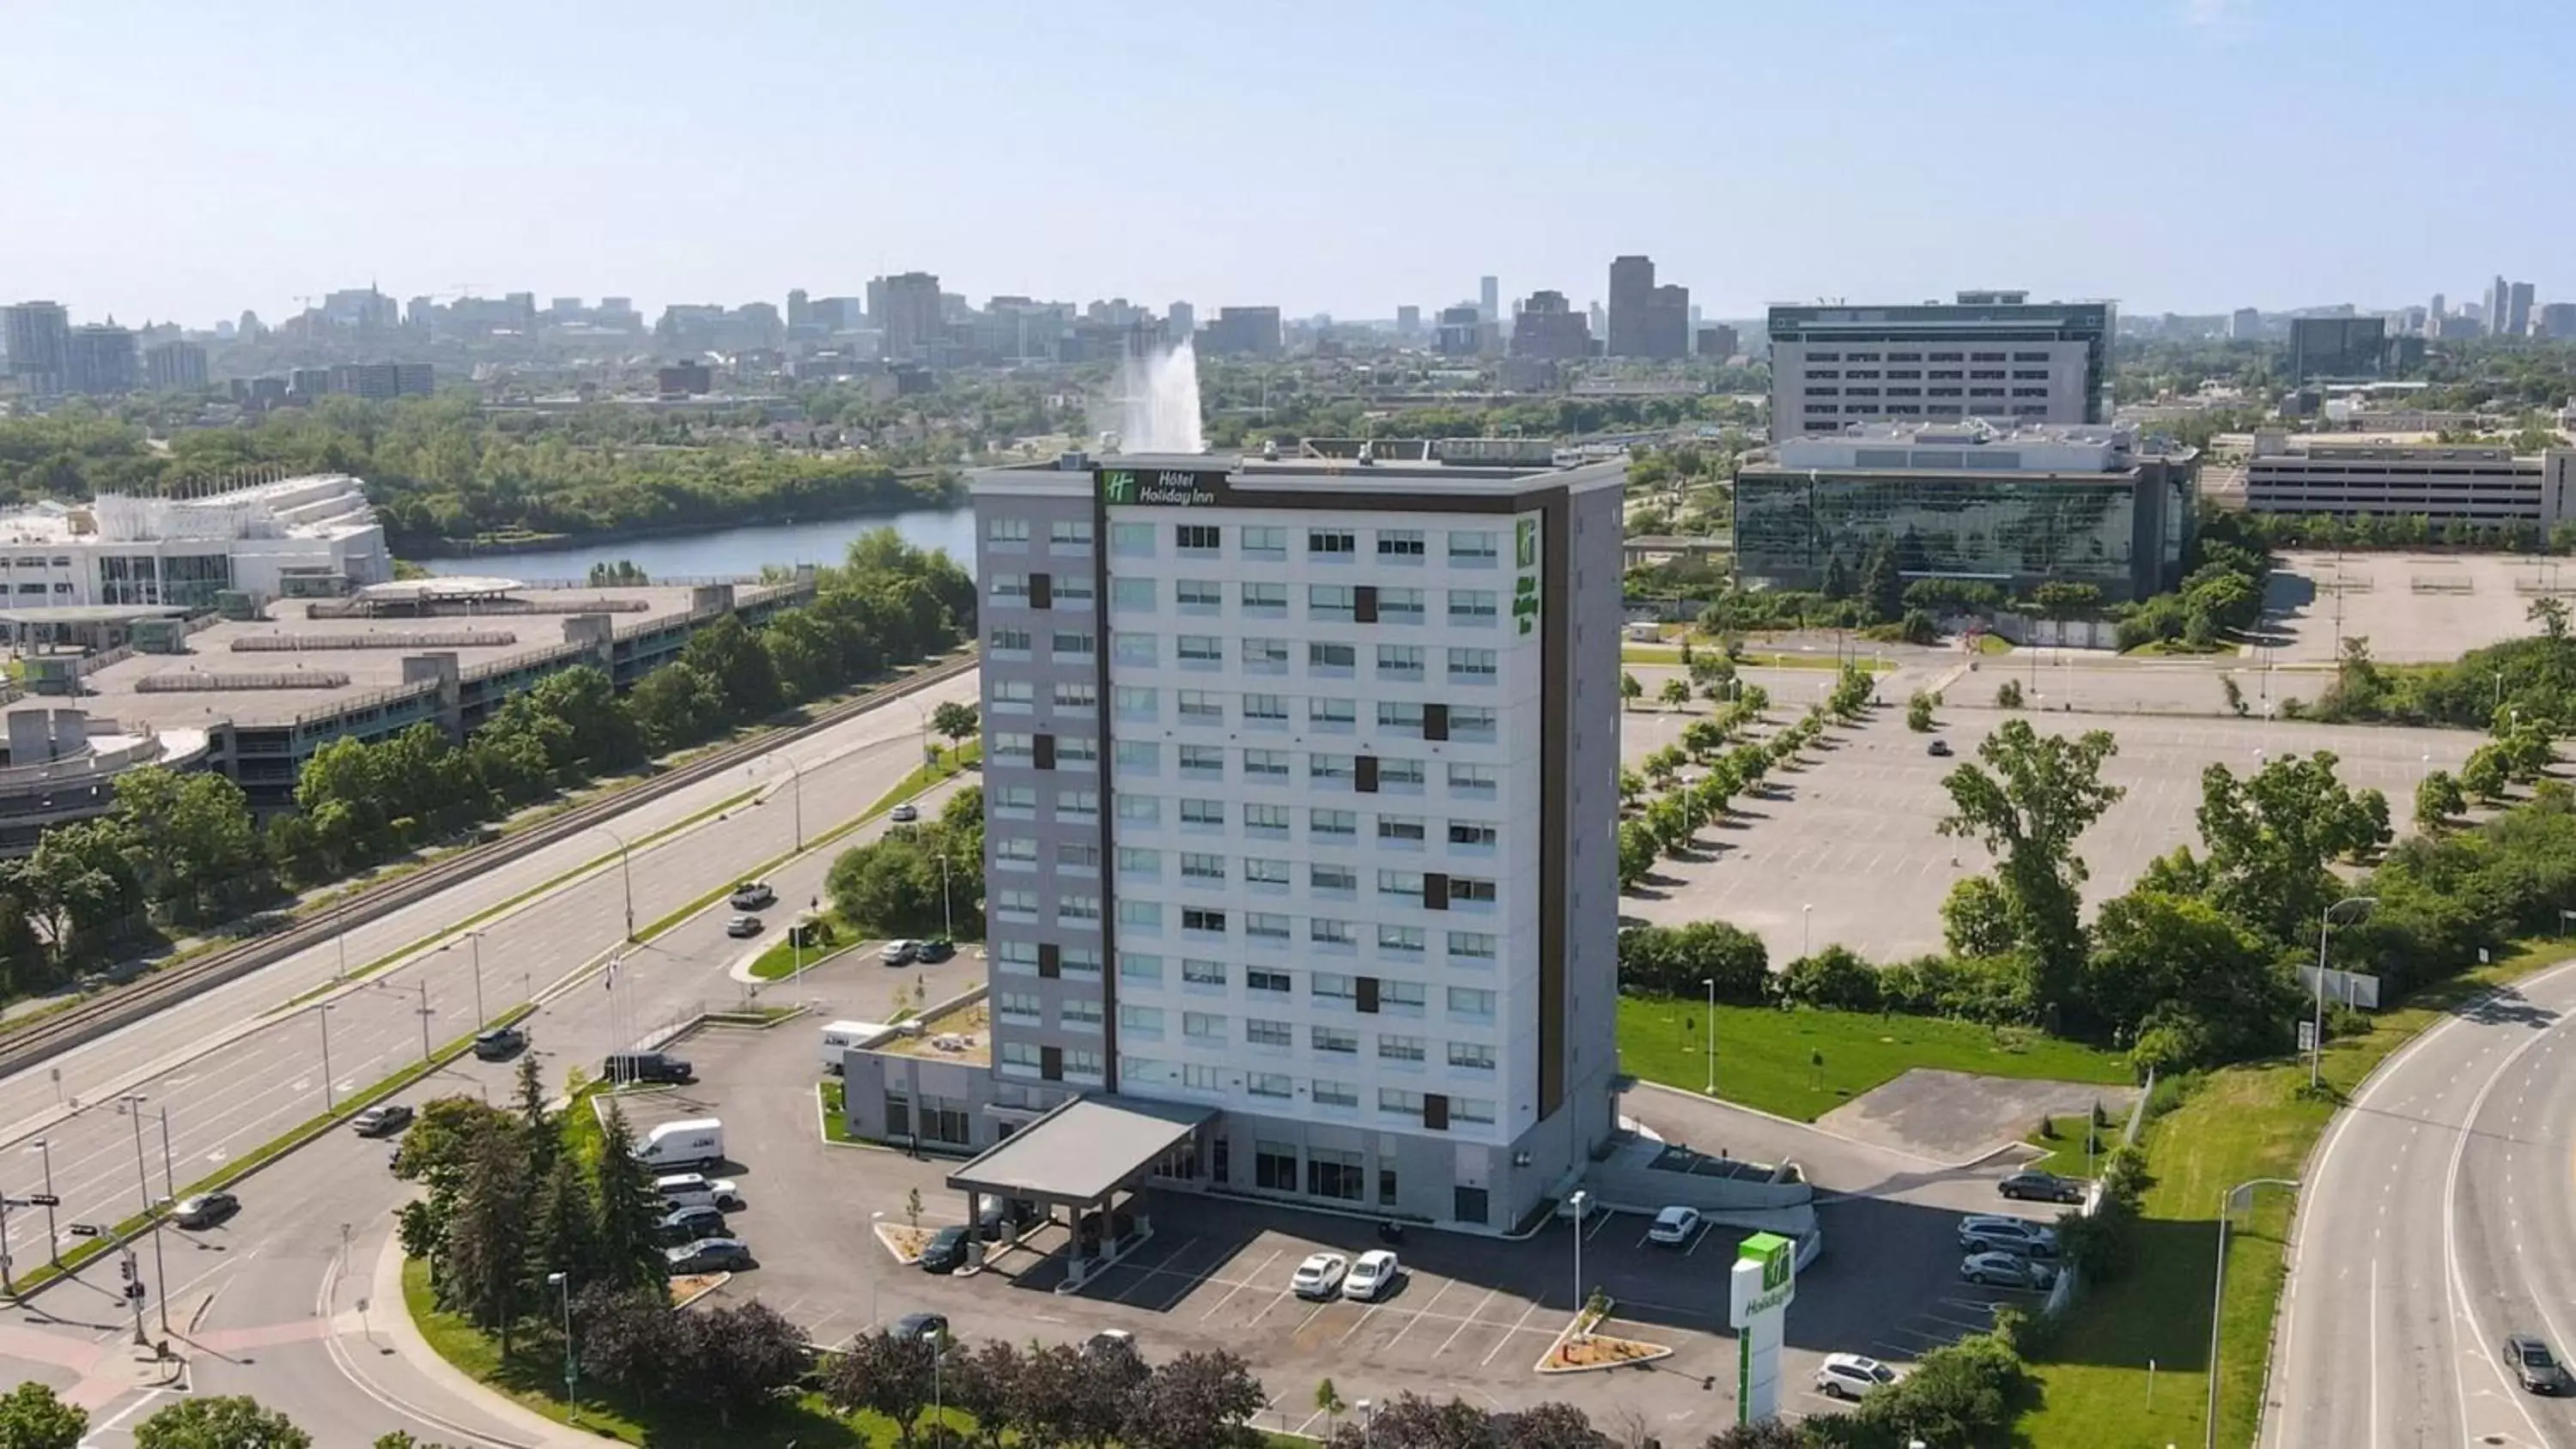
[730, 552]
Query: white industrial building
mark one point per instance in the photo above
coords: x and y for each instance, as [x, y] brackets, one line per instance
[292, 537]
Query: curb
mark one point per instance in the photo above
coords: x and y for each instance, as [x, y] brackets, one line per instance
[1733, 1106]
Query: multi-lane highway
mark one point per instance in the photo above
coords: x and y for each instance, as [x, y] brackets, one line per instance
[238, 1065]
[2439, 1218]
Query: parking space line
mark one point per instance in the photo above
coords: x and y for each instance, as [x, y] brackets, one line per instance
[1508, 1337]
[1604, 1215]
[1361, 1322]
[1419, 1314]
[1468, 1322]
[1145, 1272]
[1311, 1315]
[1239, 1287]
[1282, 1296]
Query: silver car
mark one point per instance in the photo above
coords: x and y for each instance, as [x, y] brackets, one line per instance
[1989, 1233]
[2006, 1270]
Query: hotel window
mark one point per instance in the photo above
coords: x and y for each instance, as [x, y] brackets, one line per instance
[1264, 541]
[1335, 824]
[1203, 812]
[1013, 745]
[1131, 594]
[1331, 601]
[1405, 939]
[1265, 706]
[1131, 648]
[1399, 883]
[1395, 716]
[1265, 656]
[1331, 986]
[1143, 755]
[1401, 993]
[1469, 721]
[1269, 1084]
[1076, 696]
[1335, 1094]
[1014, 850]
[1077, 750]
[1020, 1058]
[1077, 908]
[1400, 1048]
[1014, 695]
[1018, 1006]
[1470, 946]
[1337, 769]
[1470, 1001]
[1202, 973]
[1201, 537]
[1321, 655]
[1267, 764]
[1201, 705]
[1200, 918]
[1401, 661]
[1140, 1018]
[1332, 878]
[1471, 546]
[1325, 932]
[1140, 809]
[1472, 664]
[1006, 530]
[1142, 915]
[1257, 871]
[1010, 588]
[1139, 860]
[1339, 542]
[1472, 605]
[1472, 1055]
[1072, 589]
[1265, 926]
[1015, 797]
[1016, 903]
[1203, 761]
[1268, 1033]
[1196, 865]
[1399, 543]
[1465, 888]
[1077, 855]
[1198, 1078]
[1199, 594]
[1072, 644]
[1473, 833]
[1017, 958]
[1204, 1025]
[1080, 960]
[1478, 1110]
[1471, 779]
[1332, 712]
[1398, 773]
[1008, 641]
[1077, 804]
[1140, 966]
[1333, 1039]
[1265, 600]
[1070, 533]
[1403, 828]
[1079, 1011]
[1269, 821]
[1132, 539]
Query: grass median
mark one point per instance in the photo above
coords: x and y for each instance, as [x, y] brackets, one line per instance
[2241, 1123]
[1766, 1057]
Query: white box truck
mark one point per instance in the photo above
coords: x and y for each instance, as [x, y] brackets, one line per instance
[840, 1036]
[673, 1146]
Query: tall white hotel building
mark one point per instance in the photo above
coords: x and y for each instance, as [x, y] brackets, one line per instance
[1301, 795]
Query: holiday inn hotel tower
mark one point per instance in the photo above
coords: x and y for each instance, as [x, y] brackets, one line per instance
[1300, 796]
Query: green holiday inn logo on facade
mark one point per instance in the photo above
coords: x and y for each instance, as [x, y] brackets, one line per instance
[1162, 487]
[1777, 1255]
[1117, 485]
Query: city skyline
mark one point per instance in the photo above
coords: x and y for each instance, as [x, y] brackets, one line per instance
[546, 166]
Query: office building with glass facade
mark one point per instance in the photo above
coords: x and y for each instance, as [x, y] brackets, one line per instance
[1968, 501]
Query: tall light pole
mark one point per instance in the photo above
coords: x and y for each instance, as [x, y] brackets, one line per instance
[1580, 1201]
[947, 911]
[53, 1238]
[572, 1365]
[2242, 1194]
[425, 1014]
[476, 937]
[797, 776]
[1711, 983]
[131, 1104]
[1807, 928]
[624, 874]
[322, 1009]
[2317, 1027]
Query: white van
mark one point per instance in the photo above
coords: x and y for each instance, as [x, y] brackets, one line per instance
[698, 1142]
[840, 1036]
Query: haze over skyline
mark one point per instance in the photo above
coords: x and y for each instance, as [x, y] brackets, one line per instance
[2177, 155]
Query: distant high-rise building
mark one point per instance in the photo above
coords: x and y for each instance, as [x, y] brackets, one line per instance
[1408, 322]
[2437, 311]
[1548, 327]
[1489, 299]
[1600, 320]
[1461, 331]
[800, 312]
[1244, 332]
[102, 360]
[909, 315]
[2338, 348]
[2499, 303]
[250, 328]
[1995, 355]
[1180, 323]
[2558, 320]
[2244, 324]
[1646, 320]
[2518, 299]
[39, 338]
[1719, 341]
[175, 367]
[619, 312]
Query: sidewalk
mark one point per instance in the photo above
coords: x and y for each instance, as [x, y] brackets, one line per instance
[527, 1428]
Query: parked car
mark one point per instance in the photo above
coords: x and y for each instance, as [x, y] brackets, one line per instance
[690, 1224]
[1320, 1276]
[709, 1255]
[500, 1043]
[743, 925]
[1371, 1275]
[753, 895]
[1109, 1340]
[657, 1067]
[1939, 749]
[2534, 1366]
[903, 815]
[205, 1209]
[936, 950]
[946, 1252]
[1850, 1375]
[1986, 1232]
[995, 1215]
[932, 1326]
[382, 1120]
[691, 1189]
[2036, 1186]
[1674, 1227]
[2006, 1270]
[900, 953]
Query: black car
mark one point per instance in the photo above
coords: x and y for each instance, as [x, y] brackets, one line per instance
[709, 1255]
[932, 1326]
[500, 1043]
[205, 1209]
[1938, 749]
[688, 1225]
[658, 1067]
[937, 949]
[2534, 1366]
[947, 1250]
[2036, 1186]
[382, 1120]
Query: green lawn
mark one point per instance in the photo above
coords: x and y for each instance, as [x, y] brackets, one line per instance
[779, 961]
[1764, 1056]
[836, 1126]
[2242, 1123]
[1993, 643]
[922, 778]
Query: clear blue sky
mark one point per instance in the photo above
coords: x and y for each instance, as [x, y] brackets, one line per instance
[2190, 155]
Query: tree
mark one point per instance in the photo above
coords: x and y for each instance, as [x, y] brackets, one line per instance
[1918, 713]
[2008, 694]
[2549, 612]
[954, 721]
[233, 1421]
[884, 1375]
[190, 834]
[1770, 1434]
[1976, 918]
[83, 885]
[1410, 1421]
[1328, 1402]
[729, 653]
[2182, 962]
[2438, 800]
[2028, 804]
[2484, 774]
[1956, 1394]
[630, 1252]
[563, 1224]
[1630, 689]
[1636, 854]
[983, 1383]
[2269, 839]
[31, 1417]
[737, 1357]
[1882, 587]
[675, 705]
[1550, 1425]
[1837, 581]
[484, 1272]
[1834, 978]
[1676, 693]
[1200, 1399]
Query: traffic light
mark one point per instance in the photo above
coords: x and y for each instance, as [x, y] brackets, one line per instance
[125, 1270]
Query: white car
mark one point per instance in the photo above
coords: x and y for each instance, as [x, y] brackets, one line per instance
[903, 814]
[1373, 1274]
[1849, 1375]
[692, 1189]
[900, 953]
[1674, 1226]
[1320, 1276]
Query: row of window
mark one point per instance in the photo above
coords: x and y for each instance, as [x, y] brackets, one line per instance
[1216, 1030]
[1463, 665]
[1277, 1086]
[1339, 603]
[1471, 949]
[1952, 410]
[1925, 357]
[1467, 722]
[1260, 821]
[1146, 863]
[1063, 533]
[1434, 891]
[1272, 541]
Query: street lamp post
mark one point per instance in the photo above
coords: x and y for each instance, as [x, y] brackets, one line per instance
[947, 911]
[2241, 1194]
[625, 874]
[425, 1013]
[477, 938]
[1580, 1201]
[1711, 983]
[796, 775]
[1806, 928]
[322, 1009]
[2317, 1028]
[562, 1282]
[131, 1104]
[53, 1238]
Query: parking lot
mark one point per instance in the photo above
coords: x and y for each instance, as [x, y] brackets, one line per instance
[1470, 1316]
[1866, 806]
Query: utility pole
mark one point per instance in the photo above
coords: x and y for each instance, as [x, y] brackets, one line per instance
[131, 1104]
[425, 1013]
[49, 1202]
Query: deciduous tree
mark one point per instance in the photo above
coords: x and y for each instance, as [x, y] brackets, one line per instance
[234, 1421]
[31, 1417]
[2029, 802]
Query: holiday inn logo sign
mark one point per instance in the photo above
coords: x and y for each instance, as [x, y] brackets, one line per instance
[1161, 488]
